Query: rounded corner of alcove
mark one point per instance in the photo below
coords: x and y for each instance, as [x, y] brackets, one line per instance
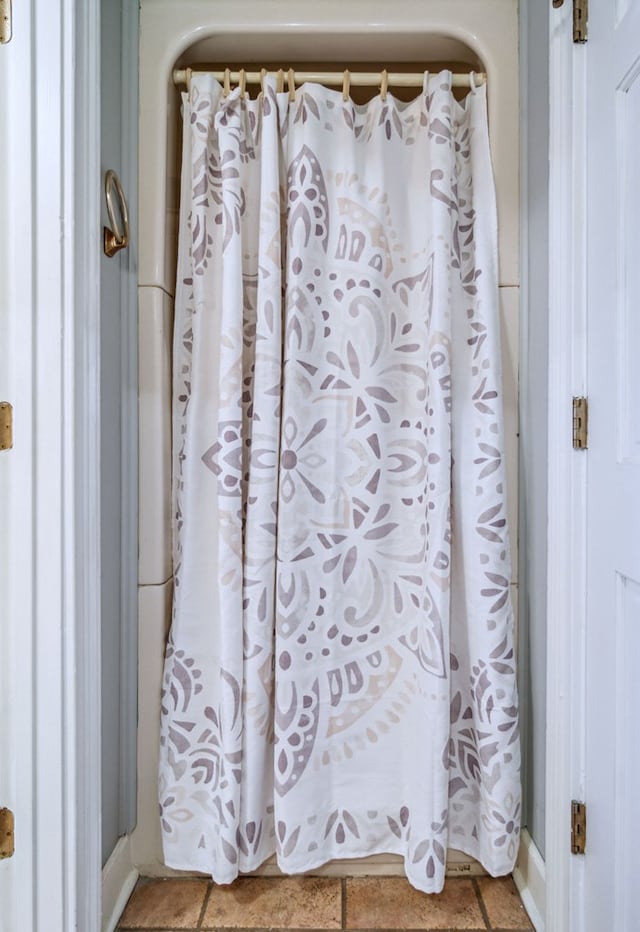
[456, 34]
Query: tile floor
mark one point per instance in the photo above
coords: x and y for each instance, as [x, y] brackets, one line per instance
[324, 903]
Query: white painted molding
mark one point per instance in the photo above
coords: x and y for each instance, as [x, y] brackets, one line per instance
[17, 714]
[50, 227]
[530, 878]
[119, 877]
[567, 471]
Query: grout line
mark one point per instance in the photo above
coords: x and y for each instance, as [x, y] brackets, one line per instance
[343, 922]
[205, 903]
[483, 908]
[344, 903]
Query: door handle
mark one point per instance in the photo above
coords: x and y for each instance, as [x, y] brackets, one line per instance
[116, 237]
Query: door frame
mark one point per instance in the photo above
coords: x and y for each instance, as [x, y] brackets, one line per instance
[50, 238]
[567, 470]
[53, 63]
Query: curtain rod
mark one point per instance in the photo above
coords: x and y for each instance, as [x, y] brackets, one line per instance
[182, 76]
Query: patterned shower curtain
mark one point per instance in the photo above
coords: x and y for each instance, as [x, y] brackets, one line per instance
[339, 677]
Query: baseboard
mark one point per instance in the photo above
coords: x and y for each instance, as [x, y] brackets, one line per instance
[529, 878]
[119, 877]
[377, 865]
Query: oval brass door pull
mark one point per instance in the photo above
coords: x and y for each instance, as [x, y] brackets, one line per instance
[115, 238]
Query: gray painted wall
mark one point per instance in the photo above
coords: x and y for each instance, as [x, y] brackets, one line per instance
[118, 431]
[534, 30]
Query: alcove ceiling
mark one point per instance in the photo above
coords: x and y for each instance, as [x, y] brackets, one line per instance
[340, 49]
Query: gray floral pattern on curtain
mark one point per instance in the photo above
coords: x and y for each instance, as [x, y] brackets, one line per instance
[339, 677]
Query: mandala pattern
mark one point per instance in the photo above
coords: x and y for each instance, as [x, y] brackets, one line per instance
[339, 679]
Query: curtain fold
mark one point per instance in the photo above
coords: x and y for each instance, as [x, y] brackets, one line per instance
[339, 678]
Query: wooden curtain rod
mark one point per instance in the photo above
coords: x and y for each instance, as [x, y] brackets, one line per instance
[182, 76]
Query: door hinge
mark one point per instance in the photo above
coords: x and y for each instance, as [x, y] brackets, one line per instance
[578, 827]
[580, 423]
[6, 22]
[7, 845]
[6, 425]
[580, 18]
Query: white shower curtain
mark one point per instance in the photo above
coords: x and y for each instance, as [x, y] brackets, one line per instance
[339, 677]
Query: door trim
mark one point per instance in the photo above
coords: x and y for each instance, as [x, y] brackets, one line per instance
[62, 841]
[119, 878]
[50, 234]
[567, 471]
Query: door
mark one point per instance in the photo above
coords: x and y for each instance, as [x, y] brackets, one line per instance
[118, 433]
[612, 859]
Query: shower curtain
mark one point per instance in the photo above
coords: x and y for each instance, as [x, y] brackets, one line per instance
[339, 676]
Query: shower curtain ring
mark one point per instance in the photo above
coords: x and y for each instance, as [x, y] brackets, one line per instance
[384, 83]
[188, 79]
[226, 84]
[242, 83]
[280, 84]
[346, 82]
[291, 84]
[263, 74]
[472, 81]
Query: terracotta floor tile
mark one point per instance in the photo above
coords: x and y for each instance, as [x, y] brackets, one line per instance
[502, 903]
[276, 902]
[165, 904]
[392, 903]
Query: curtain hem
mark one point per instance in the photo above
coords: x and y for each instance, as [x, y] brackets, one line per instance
[292, 869]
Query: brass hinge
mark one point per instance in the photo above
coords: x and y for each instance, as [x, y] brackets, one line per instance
[578, 827]
[7, 845]
[6, 24]
[580, 423]
[580, 18]
[6, 425]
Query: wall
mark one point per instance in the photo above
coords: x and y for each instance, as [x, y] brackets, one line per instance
[533, 412]
[118, 432]
[292, 30]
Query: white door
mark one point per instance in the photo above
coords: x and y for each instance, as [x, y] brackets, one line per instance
[612, 860]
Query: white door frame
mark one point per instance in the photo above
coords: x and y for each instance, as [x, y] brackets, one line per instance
[566, 577]
[49, 534]
[49, 483]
